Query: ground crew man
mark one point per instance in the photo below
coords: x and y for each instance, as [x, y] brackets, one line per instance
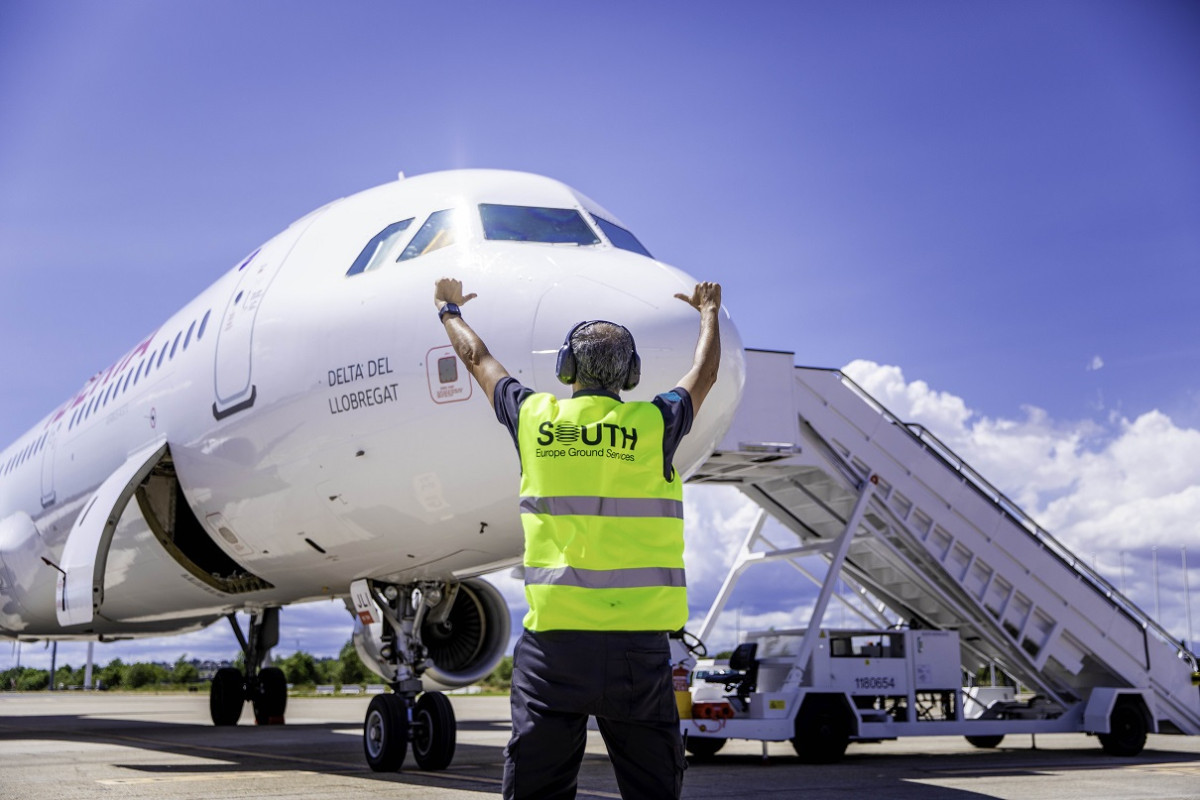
[602, 510]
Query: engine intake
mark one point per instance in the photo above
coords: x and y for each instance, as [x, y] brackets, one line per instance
[469, 643]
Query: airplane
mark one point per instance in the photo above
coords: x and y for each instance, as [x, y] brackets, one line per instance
[302, 429]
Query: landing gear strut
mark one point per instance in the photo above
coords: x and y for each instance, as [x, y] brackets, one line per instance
[264, 687]
[392, 618]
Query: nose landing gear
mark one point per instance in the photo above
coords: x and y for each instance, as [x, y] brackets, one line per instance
[389, 640]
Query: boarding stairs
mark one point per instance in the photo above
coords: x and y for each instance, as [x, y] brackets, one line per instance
[937, 546]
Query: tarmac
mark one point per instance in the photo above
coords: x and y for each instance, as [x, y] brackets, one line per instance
[66, 745]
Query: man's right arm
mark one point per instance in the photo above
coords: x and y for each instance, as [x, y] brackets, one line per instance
[482, 365]
[705, 298]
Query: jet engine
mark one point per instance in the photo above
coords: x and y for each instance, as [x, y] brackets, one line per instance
[464, 643]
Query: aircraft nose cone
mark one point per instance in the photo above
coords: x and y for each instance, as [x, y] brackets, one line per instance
[664, 329]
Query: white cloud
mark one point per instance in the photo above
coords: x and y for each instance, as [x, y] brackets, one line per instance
[717, 521]
[1109, 490]
[1095, 364]
[731, 627]
[912, 402]
[1100, 488]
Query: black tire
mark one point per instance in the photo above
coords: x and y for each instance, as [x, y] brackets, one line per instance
[226, 696]
[435, 731]
[703, 747]
[1127, 731]
[270, 696]
[986, 741]
[385, 733]
[823, 729]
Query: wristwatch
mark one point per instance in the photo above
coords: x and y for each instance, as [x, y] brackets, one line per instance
[449, 308]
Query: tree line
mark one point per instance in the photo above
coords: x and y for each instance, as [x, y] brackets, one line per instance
[301, 669]
[115, 674]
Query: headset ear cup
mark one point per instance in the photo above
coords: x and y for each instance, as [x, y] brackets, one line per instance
[634, 374]
[564, 368]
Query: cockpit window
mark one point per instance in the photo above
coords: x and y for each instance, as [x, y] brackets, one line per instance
[530, 224]
[436, 233]
[620, 237]
[376, 253]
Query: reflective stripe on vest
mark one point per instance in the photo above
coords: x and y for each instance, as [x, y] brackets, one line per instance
[603, 526]
[632, 578]
[603, 506]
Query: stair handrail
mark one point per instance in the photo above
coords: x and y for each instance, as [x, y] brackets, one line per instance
[982, 486]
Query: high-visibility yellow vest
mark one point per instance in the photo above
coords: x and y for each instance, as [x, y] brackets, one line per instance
[603, 525]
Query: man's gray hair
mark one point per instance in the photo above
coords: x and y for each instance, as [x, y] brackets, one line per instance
[602, 353]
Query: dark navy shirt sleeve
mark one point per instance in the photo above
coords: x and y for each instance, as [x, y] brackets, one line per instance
[507, 398]
[676, 408]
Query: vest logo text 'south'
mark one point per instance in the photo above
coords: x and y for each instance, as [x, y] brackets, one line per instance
[602, 439]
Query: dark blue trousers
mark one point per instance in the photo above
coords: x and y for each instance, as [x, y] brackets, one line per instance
[560, 678]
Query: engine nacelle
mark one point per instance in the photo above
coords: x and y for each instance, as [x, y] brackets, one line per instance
[464, 647]
[468, 645]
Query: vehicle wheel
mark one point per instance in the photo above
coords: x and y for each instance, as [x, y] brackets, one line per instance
[822, 730]
[226, 696]
[385, 733]
[986, 741]
[434, 731]
[270, 697]
[703, 747]
[1127, 734]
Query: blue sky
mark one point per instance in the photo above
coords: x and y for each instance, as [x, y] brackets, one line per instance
[1001, 200]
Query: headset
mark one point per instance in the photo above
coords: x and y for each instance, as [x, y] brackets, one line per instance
[566, 368]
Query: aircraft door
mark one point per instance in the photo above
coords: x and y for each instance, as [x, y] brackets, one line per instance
[233, 380]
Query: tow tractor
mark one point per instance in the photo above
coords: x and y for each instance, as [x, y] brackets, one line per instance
[872, 685]
[948, 578]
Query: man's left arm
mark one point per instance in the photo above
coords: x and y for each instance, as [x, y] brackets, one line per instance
[705, 298]
[482, 365]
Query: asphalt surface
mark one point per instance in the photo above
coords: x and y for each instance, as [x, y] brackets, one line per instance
[70, 745]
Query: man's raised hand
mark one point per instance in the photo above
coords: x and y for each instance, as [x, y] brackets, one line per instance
[705, 295]
[449, 290]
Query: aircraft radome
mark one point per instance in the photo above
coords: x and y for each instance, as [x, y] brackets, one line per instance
[303, 430]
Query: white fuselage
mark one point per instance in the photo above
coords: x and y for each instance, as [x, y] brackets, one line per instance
[320, 427]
